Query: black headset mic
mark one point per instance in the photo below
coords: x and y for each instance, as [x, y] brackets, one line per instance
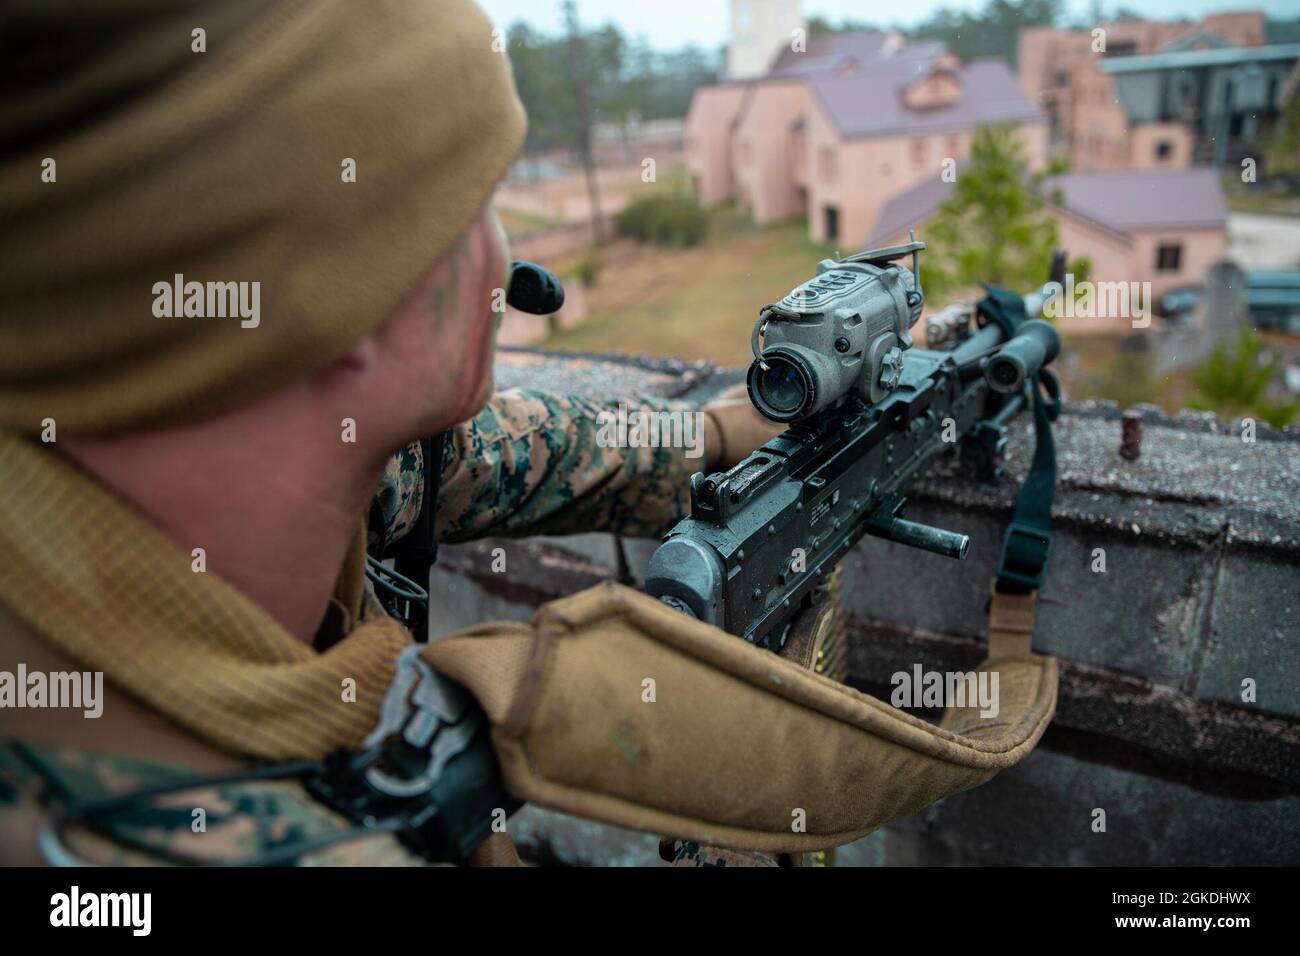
[534, 289]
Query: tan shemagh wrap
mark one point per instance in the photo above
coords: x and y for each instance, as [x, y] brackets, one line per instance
[101, 583]
[227, 166]
[738, 746]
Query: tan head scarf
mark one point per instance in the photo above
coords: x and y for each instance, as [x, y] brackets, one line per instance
[128, 158]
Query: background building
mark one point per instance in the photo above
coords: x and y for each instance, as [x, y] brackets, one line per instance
[1214, 102]
[835, 131]
[1166, 227]
[1161, 120]
[760, 29]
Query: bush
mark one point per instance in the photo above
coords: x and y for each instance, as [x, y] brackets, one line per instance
[1235, 381]
[586, 269]
[666, 219]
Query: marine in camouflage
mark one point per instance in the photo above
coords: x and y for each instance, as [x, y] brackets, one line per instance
[529, 463]
[220, 823]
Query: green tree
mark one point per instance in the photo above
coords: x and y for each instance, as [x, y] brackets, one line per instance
[623, 78]
[992, 31]
[994, 226]
[1234, 381]
[1282, 150]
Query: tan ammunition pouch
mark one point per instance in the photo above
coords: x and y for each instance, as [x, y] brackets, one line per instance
[610, 705]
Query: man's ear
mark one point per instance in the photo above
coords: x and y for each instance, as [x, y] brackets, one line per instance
[363, 356]
[350, 368]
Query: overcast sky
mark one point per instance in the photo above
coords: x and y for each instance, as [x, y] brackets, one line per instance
[668, 24]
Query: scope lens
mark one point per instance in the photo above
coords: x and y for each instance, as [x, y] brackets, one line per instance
[781, 389]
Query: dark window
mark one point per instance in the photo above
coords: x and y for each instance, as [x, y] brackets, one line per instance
[1169, 256]
[1122, 48]
[1164, 149]
[832, 214]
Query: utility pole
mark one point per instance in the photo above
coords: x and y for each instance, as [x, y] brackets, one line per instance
[578, 70]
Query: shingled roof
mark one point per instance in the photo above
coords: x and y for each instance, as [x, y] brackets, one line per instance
[862, 45]
[868, 101]
[1122, 201]
[1130, 199]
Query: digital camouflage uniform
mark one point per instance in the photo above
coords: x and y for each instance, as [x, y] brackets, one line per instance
[528, 463]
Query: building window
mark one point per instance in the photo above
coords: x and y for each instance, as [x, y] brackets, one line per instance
[832, 217]
[1164, 149]
[826, 163]
[1169, 257]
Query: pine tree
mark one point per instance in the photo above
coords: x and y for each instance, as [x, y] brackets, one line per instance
[1235, 382]
[994, 226]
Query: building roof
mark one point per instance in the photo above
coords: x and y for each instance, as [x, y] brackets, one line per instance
[1146, 198]
[1193, 40]
[859, 79]
[1192, 59]
[1124, 201]
[868, 102]
[861, 45]
[910, 207]
[827, 54]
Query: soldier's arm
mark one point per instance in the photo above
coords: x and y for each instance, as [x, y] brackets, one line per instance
[534, 462]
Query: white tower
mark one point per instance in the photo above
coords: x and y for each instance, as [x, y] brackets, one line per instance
[760, 30]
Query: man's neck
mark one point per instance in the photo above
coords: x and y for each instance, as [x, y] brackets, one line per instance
[274, 515]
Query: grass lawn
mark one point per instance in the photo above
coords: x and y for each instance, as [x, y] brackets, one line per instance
[1266, 204]
[517, 223]
[692, 303]
[1099, 366]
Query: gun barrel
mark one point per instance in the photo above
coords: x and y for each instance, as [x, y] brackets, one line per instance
[1035, 344]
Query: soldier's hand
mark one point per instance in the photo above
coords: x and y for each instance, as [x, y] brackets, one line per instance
[734, 428]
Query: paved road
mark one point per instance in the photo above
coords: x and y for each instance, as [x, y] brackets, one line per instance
[1264, 242]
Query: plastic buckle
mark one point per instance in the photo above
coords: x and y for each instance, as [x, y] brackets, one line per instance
[1025, 551]
[427, 773]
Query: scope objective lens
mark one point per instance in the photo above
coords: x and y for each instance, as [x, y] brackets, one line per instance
[781, 391]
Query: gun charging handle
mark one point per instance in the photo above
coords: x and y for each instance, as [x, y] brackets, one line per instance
[887, 522]
[1034, 345]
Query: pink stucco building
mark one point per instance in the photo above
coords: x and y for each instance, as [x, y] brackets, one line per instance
[1165, 227]
[1060, 70]
[835, 131]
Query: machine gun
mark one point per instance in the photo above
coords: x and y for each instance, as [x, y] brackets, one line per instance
[868, 413]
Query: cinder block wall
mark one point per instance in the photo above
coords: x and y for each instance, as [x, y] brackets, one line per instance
[1200, 592]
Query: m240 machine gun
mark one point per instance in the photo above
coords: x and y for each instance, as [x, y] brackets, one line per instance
[868, 413]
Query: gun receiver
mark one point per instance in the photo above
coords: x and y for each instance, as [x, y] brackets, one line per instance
[764, 535]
